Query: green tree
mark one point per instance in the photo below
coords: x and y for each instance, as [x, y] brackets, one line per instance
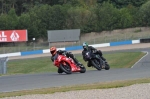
[44, 15]
[24, 21]
[12, 20]
[2, 6]
[73, 2]
[145, 13]
[12, 3]
[124, 3]
[125, 19]
[6, 6]
[45, 18]
[90, 22]
[34, 22]
[78, 17]
[107, 16]
[135, 15]
[57, 17]
[3, 22]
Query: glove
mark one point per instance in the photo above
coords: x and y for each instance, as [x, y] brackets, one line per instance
[67, 52]
[95, 51]
[59, 51]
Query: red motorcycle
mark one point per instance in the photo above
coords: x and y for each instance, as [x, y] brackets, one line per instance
[67, 65]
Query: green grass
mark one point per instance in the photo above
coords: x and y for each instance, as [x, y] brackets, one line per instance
[123, 60]
[44, 64]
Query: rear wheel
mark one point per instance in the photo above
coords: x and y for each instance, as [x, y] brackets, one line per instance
[96, 64]
[66, 68]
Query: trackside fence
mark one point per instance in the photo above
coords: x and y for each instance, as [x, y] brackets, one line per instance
[3, 65]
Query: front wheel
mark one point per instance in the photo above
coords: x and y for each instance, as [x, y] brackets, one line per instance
[107, 67]
[66, 68]
[96, 64]
[83, 69]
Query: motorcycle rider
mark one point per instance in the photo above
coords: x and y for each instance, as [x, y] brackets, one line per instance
[54, 52]
[86, 48]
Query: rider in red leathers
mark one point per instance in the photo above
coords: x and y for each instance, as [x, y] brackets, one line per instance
[54, 52]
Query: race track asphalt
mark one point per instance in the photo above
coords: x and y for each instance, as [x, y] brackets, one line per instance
[46, 80]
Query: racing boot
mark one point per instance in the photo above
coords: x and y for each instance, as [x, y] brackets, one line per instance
[89, 64]
[79, 64]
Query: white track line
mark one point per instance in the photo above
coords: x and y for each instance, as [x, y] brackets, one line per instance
[141, 58]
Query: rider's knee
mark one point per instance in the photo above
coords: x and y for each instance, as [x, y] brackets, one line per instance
[100, 52]
[71, 55]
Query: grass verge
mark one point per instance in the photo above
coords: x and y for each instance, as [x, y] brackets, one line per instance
[104, 85]
[44, 64]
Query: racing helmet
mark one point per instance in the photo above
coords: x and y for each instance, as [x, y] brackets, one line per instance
[53, 50]
[85, 46]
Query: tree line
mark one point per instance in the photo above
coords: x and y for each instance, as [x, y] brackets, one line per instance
[38, 16]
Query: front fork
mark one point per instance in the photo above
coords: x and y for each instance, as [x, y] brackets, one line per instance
[102, 63]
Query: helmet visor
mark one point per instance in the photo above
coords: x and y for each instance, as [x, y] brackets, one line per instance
[53, 52]
[85, 47]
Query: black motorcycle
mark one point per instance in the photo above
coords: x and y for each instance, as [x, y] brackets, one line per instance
[96, 61]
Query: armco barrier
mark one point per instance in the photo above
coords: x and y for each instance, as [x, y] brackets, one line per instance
[73, 48]
[145, 40]
[101, 45]
[47, 50]
[80, 47]
[10, 54]
[32, 52]
[135, 41]
[70, 48]
[120, 43]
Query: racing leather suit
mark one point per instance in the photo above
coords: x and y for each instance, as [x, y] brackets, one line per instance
[68, 54]
[92, 49]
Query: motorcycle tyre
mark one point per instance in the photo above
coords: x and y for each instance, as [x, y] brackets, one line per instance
[83, 69]
[60, 70]
[65, 70]
[95, 65]
[107, 67]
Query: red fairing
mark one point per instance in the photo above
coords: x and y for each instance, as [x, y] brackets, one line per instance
[61, 59]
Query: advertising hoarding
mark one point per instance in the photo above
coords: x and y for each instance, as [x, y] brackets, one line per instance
[13, 35]
[63, 35]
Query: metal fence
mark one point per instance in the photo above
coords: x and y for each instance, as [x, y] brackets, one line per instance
[90, 38]
[3, 65]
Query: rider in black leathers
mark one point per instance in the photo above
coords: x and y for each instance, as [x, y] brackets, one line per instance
[91, 49]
